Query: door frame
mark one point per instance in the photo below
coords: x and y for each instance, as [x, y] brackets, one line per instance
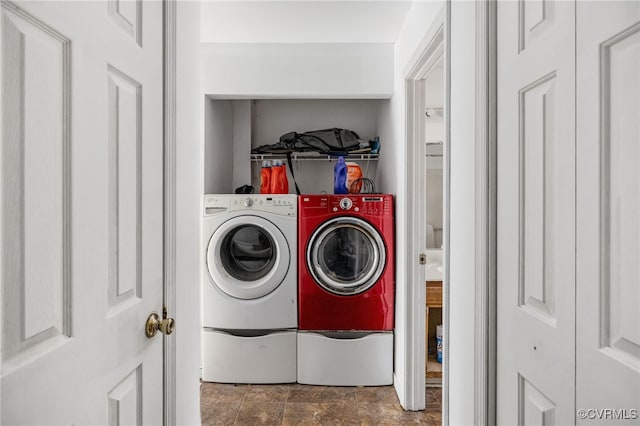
[485, 322]
[486, 121]
[169, 210]
[431, 51]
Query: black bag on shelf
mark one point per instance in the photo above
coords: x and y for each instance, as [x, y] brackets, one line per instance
[323, 141]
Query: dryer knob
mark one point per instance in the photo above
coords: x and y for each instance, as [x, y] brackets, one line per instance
[346, 203]
[248, 202]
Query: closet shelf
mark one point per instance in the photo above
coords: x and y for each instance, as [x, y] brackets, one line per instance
[313, 156]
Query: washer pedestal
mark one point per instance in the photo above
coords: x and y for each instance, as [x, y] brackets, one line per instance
[265, 358]
[345, 358]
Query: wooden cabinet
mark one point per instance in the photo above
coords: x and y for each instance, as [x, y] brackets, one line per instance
[433, 369]
[434, 294]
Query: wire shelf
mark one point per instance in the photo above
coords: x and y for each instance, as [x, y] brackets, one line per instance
[313, 156]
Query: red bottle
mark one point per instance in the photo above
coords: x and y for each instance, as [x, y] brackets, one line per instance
[279, 183]
[265, 178]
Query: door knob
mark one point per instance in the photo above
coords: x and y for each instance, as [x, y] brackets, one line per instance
[155, 324]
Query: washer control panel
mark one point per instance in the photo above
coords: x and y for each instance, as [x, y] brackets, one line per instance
[285, 205]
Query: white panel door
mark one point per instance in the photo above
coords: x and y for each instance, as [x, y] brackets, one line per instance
[536, 208]
[608, 214]
[81, 212]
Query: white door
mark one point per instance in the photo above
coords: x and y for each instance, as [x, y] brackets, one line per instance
[536, 212]
[608, 213]
[81, 212]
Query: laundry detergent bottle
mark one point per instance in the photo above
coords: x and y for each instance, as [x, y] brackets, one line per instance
[340, 177]
[265, 177]
[354, 172]
[279, 183]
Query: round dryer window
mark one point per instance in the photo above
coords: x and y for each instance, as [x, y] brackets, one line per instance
[346, 255]
[247, 257]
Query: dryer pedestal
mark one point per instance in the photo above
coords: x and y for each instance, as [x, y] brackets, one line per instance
[345, 358]
[247, 358]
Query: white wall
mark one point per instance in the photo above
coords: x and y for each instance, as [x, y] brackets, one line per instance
[434, 132]
[218, 147]
[298, 70]
[311, 21]
[434, 202]
[386, 175]
[189, 188]
[275, 117]
[462, 225]
[242, 111]
[434, 98]
[434, 86]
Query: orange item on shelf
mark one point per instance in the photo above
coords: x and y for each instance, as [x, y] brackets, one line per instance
[354, 172]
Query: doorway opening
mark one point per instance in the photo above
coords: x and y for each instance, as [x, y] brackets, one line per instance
[432, 221]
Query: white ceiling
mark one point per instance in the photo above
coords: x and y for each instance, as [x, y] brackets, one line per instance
[302, 21]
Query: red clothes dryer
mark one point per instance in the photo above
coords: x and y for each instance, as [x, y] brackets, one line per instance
[346, 275]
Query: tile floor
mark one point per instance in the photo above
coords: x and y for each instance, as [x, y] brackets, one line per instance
[295, 404]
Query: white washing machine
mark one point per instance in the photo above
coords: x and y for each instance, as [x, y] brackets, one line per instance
[249, 288]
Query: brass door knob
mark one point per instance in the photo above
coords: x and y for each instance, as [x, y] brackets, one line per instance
[155, 324]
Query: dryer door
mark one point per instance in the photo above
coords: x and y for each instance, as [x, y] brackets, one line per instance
[248, 257]
[346, 255]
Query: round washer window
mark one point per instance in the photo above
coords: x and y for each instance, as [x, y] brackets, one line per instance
[346, 256]
[248, 253]
[248, 257]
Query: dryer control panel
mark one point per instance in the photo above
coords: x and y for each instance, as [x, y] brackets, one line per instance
[379, 205]
[369, 204]
[382, 205]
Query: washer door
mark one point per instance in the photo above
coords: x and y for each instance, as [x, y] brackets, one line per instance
[346, 255]
[248, 257]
